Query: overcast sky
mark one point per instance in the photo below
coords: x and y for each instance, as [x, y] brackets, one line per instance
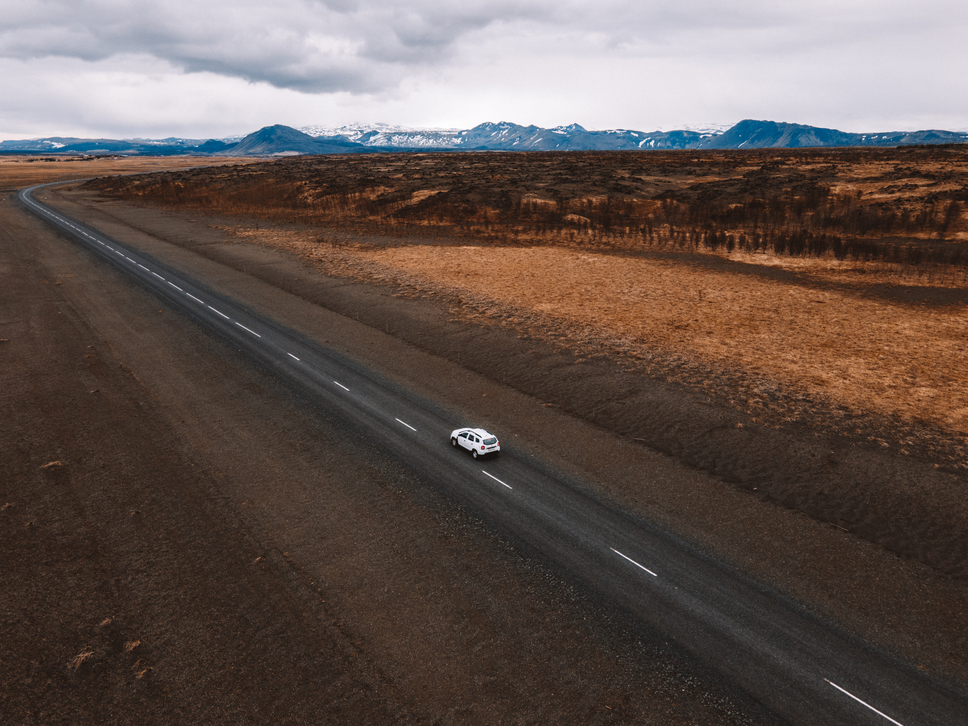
[216, 68]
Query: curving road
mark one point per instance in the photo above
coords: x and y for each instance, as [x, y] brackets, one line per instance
[801, 668]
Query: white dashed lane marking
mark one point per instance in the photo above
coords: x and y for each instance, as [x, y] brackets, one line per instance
[343, 387]
[405, 424]
[864, 703]
[247, 329]
[219, 312]
[641, 567]
[496, 479]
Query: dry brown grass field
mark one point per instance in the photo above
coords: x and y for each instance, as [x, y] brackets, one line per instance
[813, 286]
[17, 171]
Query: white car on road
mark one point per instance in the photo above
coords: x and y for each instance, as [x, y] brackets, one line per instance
[477, 441]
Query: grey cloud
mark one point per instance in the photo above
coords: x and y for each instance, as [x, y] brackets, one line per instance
[306, 45]
[368, 46]
[415, 36]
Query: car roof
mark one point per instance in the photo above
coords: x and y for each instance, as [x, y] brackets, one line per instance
[480, 432]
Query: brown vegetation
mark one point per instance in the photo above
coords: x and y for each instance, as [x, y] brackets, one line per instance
[901, 207]
[817, 286]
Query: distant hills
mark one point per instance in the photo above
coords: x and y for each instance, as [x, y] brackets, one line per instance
[283, 140]
[772, 135]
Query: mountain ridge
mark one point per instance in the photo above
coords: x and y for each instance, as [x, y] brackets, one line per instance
[280, 140]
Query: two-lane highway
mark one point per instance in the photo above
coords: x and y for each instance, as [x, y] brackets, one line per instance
[801, 668]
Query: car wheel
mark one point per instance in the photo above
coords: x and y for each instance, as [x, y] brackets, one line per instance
[453, 442]
[474, 453]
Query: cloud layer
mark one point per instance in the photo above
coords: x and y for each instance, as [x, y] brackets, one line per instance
[435, 62]
[312, 46]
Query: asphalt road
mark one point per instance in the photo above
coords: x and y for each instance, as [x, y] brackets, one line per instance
[804, 670]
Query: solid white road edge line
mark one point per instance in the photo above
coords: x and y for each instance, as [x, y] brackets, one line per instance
[495, 479]
[864, 703]
[403, 422]
[633, 562]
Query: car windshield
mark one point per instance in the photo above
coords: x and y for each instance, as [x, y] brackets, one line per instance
[490, 441]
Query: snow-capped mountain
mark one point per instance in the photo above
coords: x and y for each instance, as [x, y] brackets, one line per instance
[510, 137]
[709, 129]
[385, 135]
[503, 136]
[506, 136]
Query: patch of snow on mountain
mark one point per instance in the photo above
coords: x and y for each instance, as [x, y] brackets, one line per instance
[387, 135]
[713, 129]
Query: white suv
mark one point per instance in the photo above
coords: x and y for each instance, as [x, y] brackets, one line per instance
[478, 441]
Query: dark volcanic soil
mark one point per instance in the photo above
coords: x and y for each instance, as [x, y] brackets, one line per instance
[189, 542]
